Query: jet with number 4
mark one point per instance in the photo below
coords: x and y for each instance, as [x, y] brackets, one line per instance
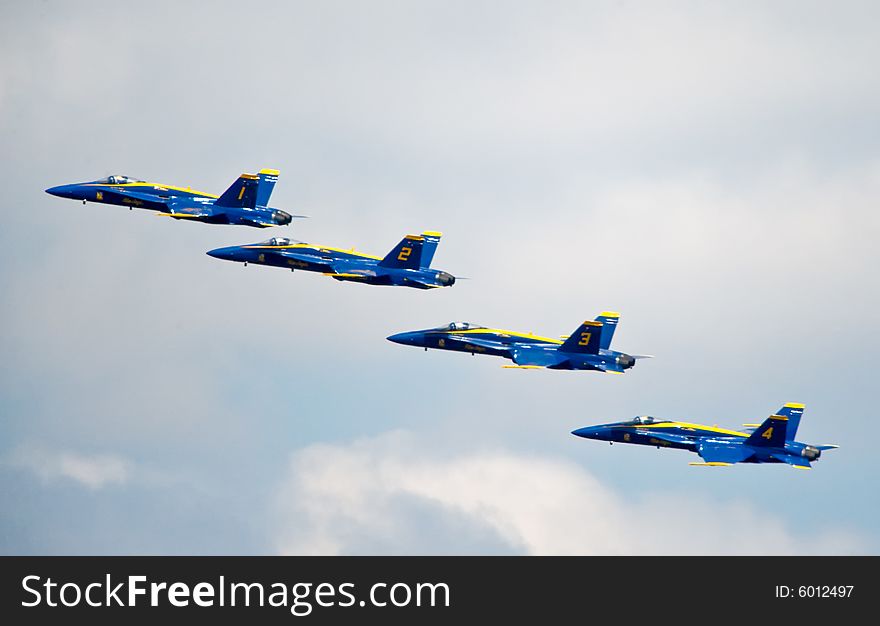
[407, 265]
[769, 442]
[588, 347]
[245, 203]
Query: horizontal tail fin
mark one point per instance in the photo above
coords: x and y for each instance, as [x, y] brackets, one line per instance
[241, 194]
[771, 433]
[265, 184]
[586, 338]
[405, 255]
[609, 320]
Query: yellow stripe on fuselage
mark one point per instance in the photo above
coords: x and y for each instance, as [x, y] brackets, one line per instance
[307, 246]
[499, 331]
[710, 429]
[160, 185]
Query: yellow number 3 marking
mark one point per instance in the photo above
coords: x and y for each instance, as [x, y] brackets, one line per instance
[585, 339]
[404, 254]
[768, 433]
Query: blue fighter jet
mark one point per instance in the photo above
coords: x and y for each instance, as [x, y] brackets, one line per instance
[588, 347]
[407, 265]
[770, 442]
[244, 203]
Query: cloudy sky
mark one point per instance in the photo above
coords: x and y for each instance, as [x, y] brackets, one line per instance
[710, 170]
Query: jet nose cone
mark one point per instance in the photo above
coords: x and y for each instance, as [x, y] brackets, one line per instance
[61, 191]
[587, 432]
[406, 339]
[227, 254]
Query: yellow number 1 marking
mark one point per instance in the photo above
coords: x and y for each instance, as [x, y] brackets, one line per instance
[241, 193]
[768, 433]
[585, 339]
[404, 254]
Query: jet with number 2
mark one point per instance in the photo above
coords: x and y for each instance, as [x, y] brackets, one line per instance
[407, 265]
[245, 203]
[769, 442]
[588, 347]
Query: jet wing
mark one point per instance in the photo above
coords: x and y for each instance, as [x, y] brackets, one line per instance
[119, 195]
[795, 461]
[421, 284]
[305, 261]
[679, 439]
[722, 454]
[178, 211]
[255, 221]
[477, 344]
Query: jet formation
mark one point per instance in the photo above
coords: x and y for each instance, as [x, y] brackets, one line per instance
[772, 441]
[246, 203]
[587, 348]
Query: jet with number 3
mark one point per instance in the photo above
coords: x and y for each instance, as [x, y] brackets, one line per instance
[245, 203]
[769, 442]
[588, 347]
[407, 265]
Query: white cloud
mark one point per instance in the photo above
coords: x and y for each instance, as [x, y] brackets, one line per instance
[92, 471]
[395, 494]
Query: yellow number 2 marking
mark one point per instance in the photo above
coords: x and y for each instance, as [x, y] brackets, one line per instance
[768, 433]
[404, 254]
[585, 339]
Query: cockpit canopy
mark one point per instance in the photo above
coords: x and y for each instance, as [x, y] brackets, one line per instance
[277, 241]
[459, 326]
[645, 419]
[116, 179]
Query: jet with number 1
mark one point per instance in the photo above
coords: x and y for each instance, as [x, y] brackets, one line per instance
[407, 265]
[245, 203]
[769, 442]
[588, 347]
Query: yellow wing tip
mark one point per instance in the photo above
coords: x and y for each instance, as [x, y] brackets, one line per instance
[432, 233]
[269, 171]
[609, 314]
[781, 418]
[801, 467]
[249, 176]
[521, 367]
[414, 238]
[794, 405]
[592, 323]
[710, 464]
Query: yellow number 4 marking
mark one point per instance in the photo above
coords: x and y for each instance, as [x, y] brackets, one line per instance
[768, 433]
[99, 195]
[404, 254]
[585, 339]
